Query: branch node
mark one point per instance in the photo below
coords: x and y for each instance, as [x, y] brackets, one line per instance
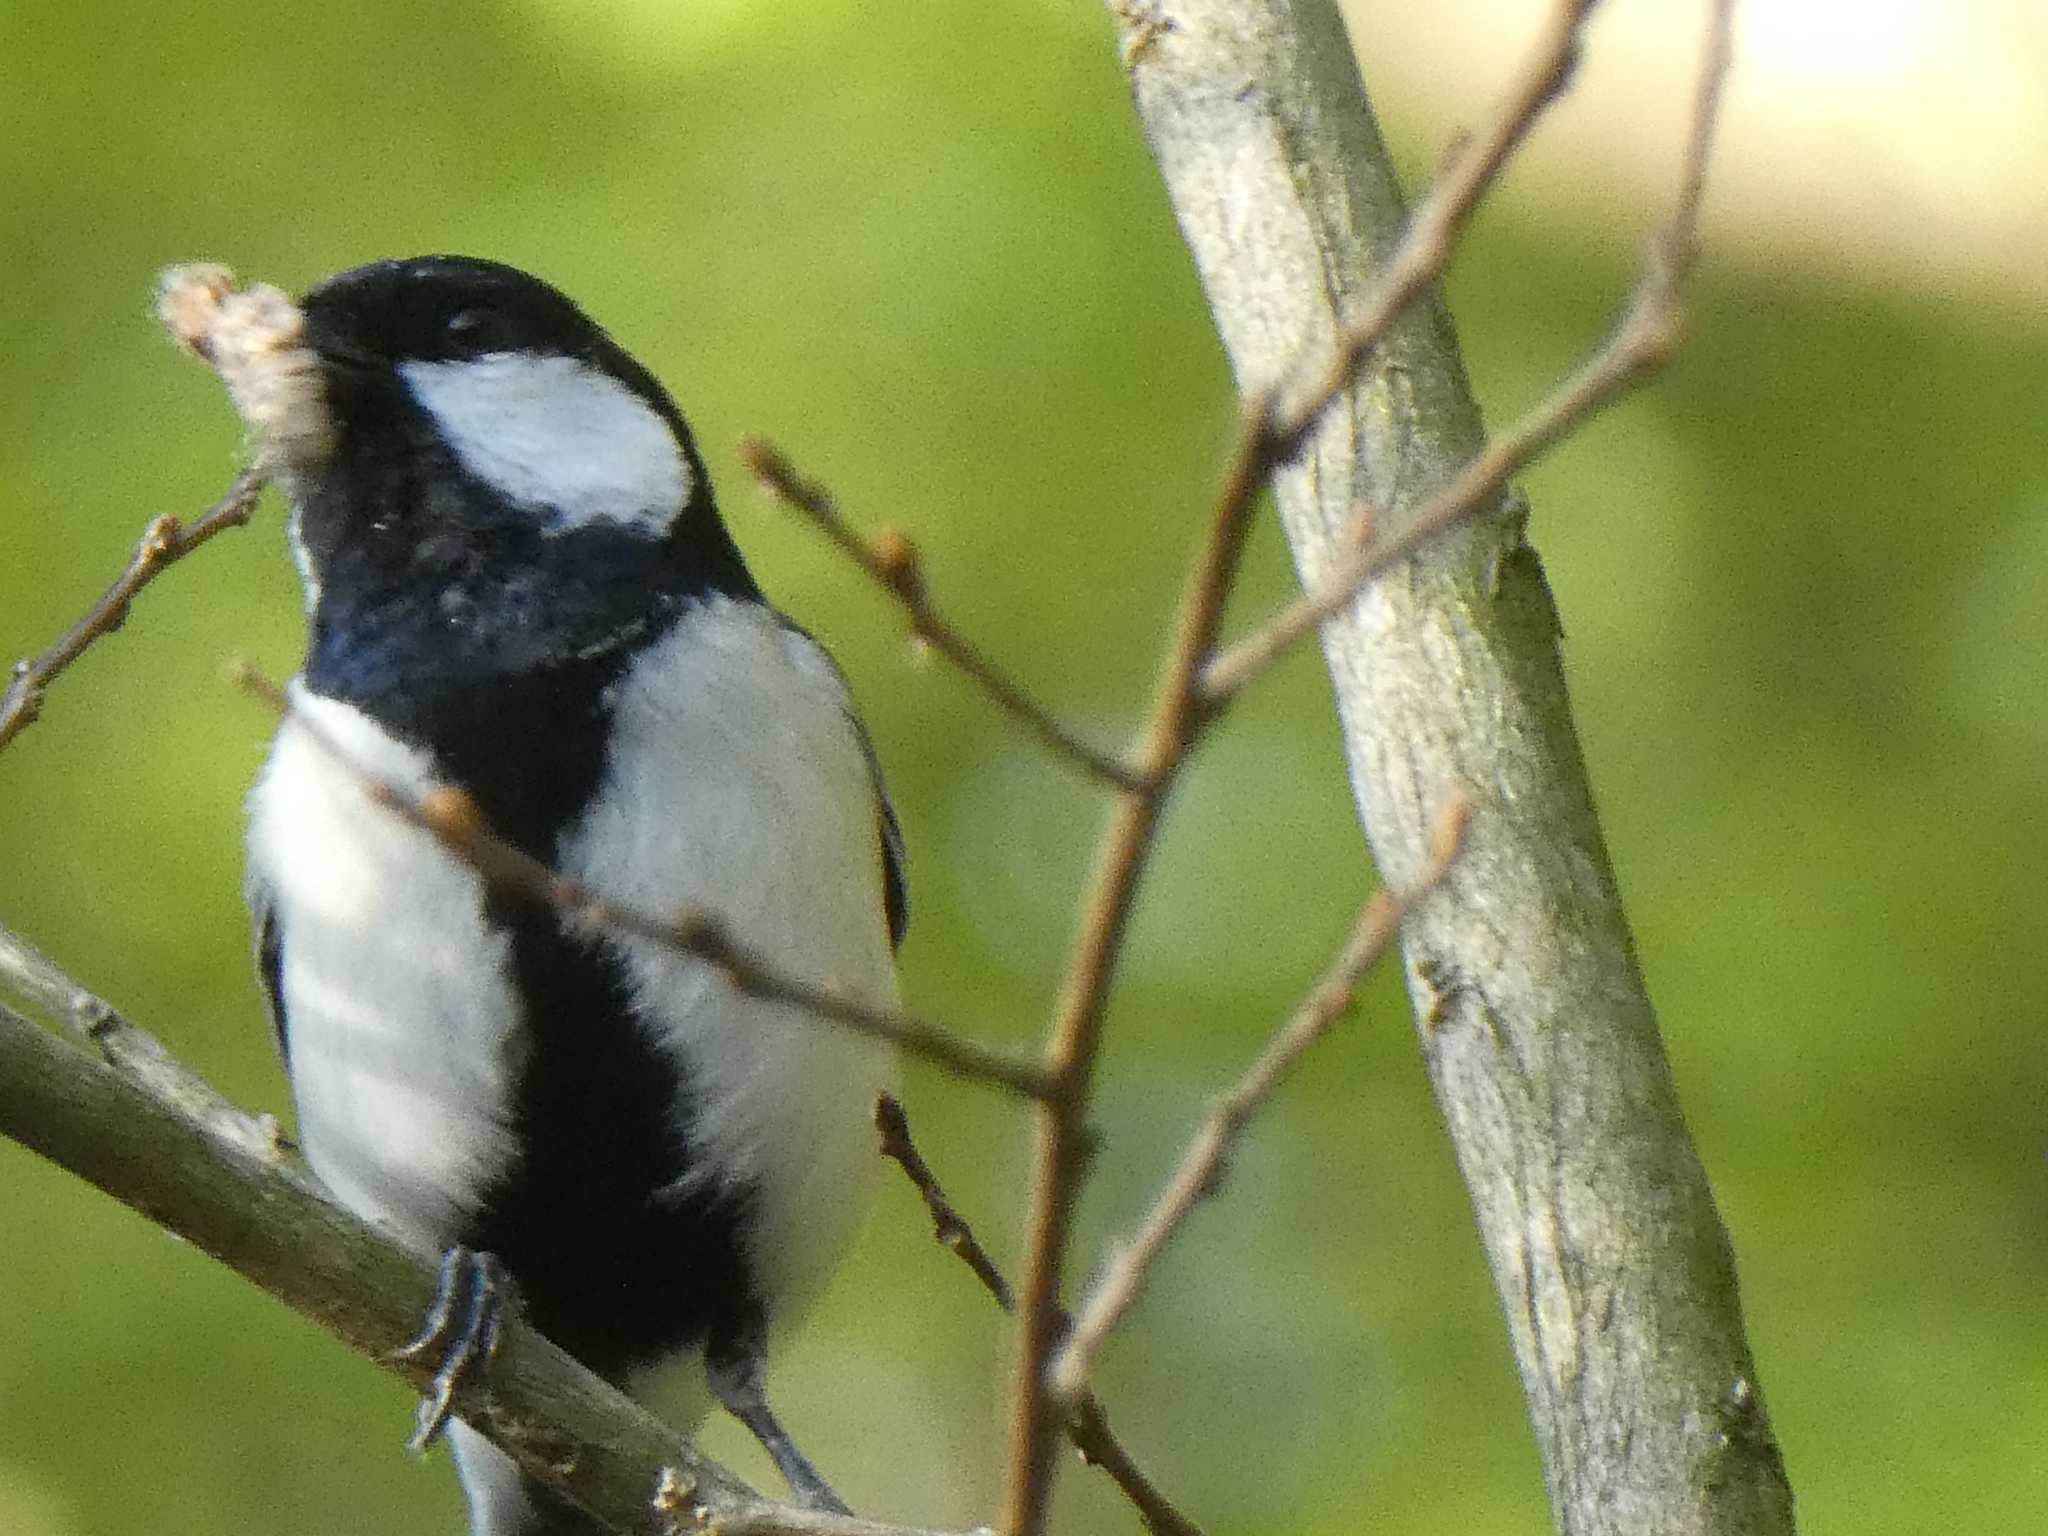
[94, 1017]
[675, 1497]
[891, 562]
[896, 562]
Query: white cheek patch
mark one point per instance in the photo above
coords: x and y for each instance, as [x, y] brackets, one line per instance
[558, 435]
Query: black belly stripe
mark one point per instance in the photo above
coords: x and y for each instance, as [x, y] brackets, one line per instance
[618, 1256]
[613, 1262]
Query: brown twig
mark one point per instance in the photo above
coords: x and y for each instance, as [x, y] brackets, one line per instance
[1121, 858]
[1087, 1422]
[949, 1229]
[164, 542]
[1426, 245]
[1197, 1174]
[1649, 331]
[452, 818]
[1646, 336]
[891, 560]
[1272, 427]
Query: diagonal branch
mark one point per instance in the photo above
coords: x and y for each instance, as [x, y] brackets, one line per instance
[1201, 1165]
[126, 1117]
[164, 542]
[452, 818]
[1615, 1273]
[1272, 428]
[1122, 856]
[1273, 433]
[1651, 327]
[1644, 340]
[891, 561]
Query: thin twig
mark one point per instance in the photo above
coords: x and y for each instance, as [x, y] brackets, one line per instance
[1647, 335]
[1176, 718]
[1271, 437]
[1649, 331]
[164, 542]
[1088, 1431]
[949, 1228]
[1087, 1422]
[452, 818]
[892, 561]
[1273, 426]
[1197, 1175]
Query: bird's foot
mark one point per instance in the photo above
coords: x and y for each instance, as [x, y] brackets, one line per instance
[736, 1382]
[462, 1327]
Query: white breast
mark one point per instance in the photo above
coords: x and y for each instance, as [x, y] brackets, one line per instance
[403, 1050]
[737, 782]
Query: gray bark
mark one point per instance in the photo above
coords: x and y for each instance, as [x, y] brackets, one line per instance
[132, 1121]
[1612, 1266]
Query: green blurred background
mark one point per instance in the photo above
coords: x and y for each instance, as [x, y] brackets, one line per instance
[1806, 585]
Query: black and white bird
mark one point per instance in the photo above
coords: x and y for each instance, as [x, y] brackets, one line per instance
[517, 584]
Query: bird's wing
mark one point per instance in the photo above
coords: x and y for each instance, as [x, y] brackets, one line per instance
[895, 864]
[269, 961]
[895, 877]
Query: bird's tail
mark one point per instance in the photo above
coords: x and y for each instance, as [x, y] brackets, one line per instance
[503, 1501]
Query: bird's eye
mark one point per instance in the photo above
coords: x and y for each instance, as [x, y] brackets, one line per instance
[472, 331]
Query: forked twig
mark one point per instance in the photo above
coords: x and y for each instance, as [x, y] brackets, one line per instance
[1087, 1423]
[1648, 332]
[1274, 426]
[1196, 1176]
[1647, 335]
[165, 542]
[890, 559]
[1269, 437]
[1121, 858]
[452, 818]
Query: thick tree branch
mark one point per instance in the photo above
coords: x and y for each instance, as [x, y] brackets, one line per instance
[1611, 1262]
[146, 1131]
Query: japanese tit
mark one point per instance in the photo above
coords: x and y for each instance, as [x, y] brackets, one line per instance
[517, 584]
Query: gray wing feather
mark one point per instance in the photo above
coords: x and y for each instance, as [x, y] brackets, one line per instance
[269, 961]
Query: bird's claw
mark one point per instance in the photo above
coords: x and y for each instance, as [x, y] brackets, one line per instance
[463, 1325]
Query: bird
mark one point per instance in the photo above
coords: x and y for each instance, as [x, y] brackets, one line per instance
[518, 586]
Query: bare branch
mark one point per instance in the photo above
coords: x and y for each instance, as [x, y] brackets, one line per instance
[1087, 1423]
[164, 542]
[1121, 858]
[1275, 431]
[949, 1228]
[891, 561]
[1200, 1166]
[1615, 1273]
[1648, 333]
[1271, 431]
[452, 818]
[1642, 342]
[138, 1125]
